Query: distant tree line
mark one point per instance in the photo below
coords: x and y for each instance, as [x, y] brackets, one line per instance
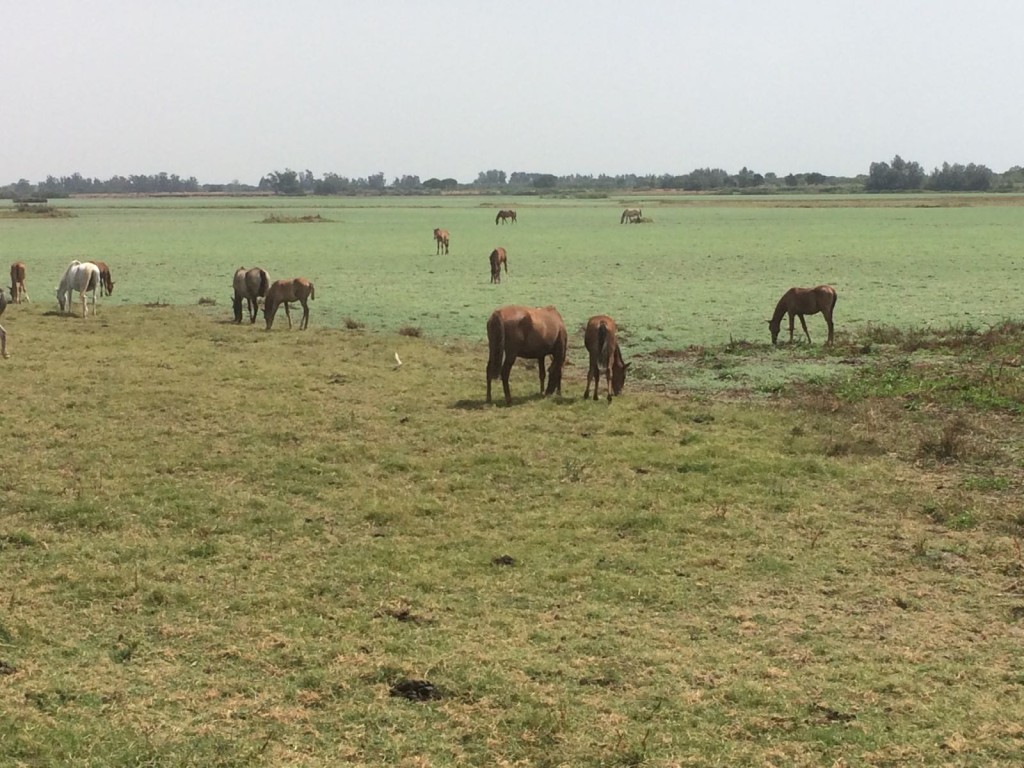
[897, 175]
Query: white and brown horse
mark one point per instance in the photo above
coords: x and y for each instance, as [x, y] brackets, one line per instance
[533, 333]
[797, 302]
[250, 286]
[284, 292]
[632, 215]
[601, 340]
[81, 277]
[18, 290]
[441, 236]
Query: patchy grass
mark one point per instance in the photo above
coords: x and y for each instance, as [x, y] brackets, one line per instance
[264, 549]
[277, 218]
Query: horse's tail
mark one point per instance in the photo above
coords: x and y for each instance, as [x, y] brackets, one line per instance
[236, 305]
[312, 292]
[495, 344]
[602, 341]
[264, 283]
[506, 263]
[835, 298]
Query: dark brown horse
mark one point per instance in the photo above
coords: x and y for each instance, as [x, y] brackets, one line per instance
[504, 215]
[3, 331]
[106, 283]
[283, 292]
[601, 340]
[529, 332]
[18, 290]
[498, 257]
[250, 285]
[797, 302]
[632, 215]
[441, 236]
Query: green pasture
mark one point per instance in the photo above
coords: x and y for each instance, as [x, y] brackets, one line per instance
[705, 271]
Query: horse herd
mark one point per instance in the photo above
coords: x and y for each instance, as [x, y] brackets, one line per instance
[512, 331]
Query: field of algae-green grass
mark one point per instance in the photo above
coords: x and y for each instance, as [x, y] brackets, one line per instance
[703, 272]
[226, 547]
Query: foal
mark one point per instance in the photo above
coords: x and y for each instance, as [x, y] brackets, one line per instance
[601, 340]
[284, 291]
[18, 290]
[797, 302]
[441, 236]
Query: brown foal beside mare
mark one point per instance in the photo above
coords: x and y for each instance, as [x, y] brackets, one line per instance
[498, 257]
[530, 332]
[601, 340]
[441, 236]
[284, 292]
[797, 302]
[106, 282]
[18, 289]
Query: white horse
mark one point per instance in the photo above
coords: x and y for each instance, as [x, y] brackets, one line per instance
[82, 278]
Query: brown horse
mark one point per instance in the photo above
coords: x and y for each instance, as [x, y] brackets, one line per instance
[250, 285]
[529, 332]
[797, 302]
[18, 290]
[3, 331]
[106, 283]
[632, 215]
[498, 257]
[601, 340]
[441, 236]
[285, 291]
[503, 215]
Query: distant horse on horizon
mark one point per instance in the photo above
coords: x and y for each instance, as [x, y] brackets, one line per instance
[81, 277]
[441, 236]
[498, 257]
[106, 283]
[601, 340]
[18, 289]
[284, 292]
[632, 215]
[504, 215]
[530, 332]
[797, 302]
[250, 286]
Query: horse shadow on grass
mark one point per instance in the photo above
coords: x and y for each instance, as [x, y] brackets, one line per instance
[482, 405]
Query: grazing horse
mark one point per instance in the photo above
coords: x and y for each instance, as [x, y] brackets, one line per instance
[503, 215]
[803, 301]
[601, 340]
[250, 285]
[633, 215]
[498, 257]
[3, 331]
[284, 292]
[514, 331]
[81, 277]
[441, 236]
[18, 290]
[106, 283]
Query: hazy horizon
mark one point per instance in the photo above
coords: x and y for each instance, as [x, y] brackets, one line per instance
[230, 91]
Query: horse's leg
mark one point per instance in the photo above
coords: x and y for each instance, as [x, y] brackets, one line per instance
[3, 342]
[305, 316]
[541, 370]
[590, 375]
[791, 316]
[506, 371]
[804, 324]
[288, 314]
[828, 321]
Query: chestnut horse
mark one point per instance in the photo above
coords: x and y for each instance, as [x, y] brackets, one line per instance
[534, 333]
[797, 302]
[503, 215]
[498, 257]
[441, 236]
[601, 340]
[3, 331]
[285, 291]
[18, 289]
[106, 283]
[250, 285]
[81, 277]
[633, 215]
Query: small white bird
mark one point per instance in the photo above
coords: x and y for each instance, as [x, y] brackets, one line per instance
[398, 361]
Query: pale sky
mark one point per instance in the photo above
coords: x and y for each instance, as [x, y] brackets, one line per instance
[229, 90]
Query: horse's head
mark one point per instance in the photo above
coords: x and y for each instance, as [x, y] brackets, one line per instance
[60, 298]
[619, 377]
[774, 326]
